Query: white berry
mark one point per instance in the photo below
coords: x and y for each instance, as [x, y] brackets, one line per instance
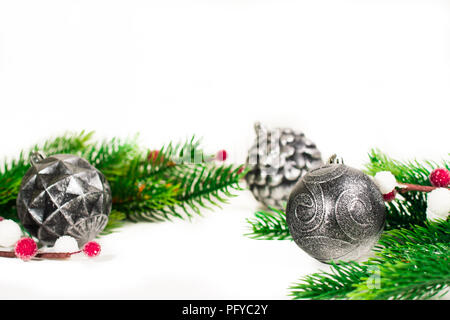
[385, 181]
[438, 204]
[65, 244]
[10, 233]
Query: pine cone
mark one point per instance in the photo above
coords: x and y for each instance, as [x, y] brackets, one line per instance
[277, 160]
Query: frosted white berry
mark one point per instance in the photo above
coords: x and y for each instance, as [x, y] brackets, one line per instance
[438, 204]
[65, 244]
[10, 233]
[385, 181]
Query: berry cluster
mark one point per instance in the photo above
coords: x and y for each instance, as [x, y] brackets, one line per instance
[387, 184]
[438, 200]
[440, 177]
[26, 248]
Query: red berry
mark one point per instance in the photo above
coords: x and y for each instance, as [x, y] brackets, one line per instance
[1, 218]
[25, 249]
[389, 196]
[152, 155]
[222, 155]
[92, 249]
[440, 177]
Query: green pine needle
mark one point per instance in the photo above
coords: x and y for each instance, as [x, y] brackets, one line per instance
[423, 272]
[202, 187]
[431, 232]
[336, 284]
[269, 225]
[409, 264]
[116, 220]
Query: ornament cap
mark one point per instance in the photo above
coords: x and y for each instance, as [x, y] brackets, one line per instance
[333, 159]
[36, 157]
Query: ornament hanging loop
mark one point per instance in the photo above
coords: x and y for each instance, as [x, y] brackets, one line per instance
[36, 157]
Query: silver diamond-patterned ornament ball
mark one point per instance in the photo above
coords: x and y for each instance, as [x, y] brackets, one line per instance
[276, 161]
[335, 213]
[63, 195]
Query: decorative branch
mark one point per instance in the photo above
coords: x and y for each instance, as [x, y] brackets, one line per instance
[405, 187]
[42, 255]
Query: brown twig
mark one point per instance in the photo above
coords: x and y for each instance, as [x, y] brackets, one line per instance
[7, 254]
[405, 187]
[54, 255]
[41, 255]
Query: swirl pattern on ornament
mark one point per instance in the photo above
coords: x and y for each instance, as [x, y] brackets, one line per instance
[335, 212]
[353, 207]
[309, 208]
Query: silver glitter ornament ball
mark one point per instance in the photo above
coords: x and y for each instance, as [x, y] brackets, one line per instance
[63, 195]
[276, 162]
[335, 213]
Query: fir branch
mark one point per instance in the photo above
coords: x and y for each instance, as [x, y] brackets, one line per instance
[173, 156]
[424, 273]
[111, 157]
[116, 220]
[151, 182]
[407, 210]
[203, 186]
[431, 232]
[269, 226]
[148, 200]
[71, 143]
[10, 179]
[420, 255]
[336, 284]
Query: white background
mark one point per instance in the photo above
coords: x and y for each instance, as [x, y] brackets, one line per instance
[351, 74]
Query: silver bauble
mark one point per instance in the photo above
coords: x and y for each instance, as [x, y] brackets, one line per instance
[63, 195]
[335, 213]
[276, 161]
